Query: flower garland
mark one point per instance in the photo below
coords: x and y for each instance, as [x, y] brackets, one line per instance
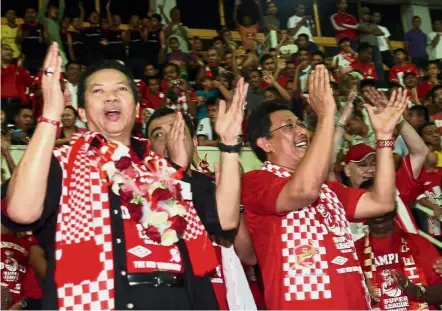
[150, 190]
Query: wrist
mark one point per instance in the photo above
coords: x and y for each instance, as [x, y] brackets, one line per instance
[230, 141]
[383, 136]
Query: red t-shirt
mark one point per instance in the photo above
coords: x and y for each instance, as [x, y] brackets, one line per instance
[306, 255]
[14, 83]
[397, 72]
[343, 18]
[367, 69]
[408, 188]
[154, 100]
[387, 257]
[432, 188]
[14, 264]
[424, 88]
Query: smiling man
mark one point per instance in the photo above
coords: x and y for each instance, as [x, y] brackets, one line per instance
[298, 222]
[109, 200]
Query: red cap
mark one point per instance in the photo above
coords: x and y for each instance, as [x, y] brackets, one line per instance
[358, 153]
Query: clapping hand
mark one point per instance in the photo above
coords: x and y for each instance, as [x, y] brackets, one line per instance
[406, 286]
[229, 121]
[52, 94]
[384, 122]
[377, 99]
[320, 95]
[177, 141]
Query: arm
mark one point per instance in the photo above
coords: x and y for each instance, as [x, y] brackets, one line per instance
[61, 7]
[304, 186]
[261, 14]
[70, 46]
[428, 203]
[435, 41]
[42, 12]
[163, 14]
[334, 24]
[108, 12]
[268, 78]
[382, 198]
[81, 8]
[163, 50]
[243, 244]
[235, 13]
[417, 148]
[33, 169]
[225, 92]
[38, 261]
[228, 183]
[20, 36]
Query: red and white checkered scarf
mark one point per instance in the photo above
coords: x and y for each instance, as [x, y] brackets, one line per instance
[83, 231]
[382, 281]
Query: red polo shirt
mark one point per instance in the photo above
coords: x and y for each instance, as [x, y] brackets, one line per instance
[367, 69]
[14, 83]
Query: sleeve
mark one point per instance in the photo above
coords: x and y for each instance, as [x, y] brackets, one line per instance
[204, 128]
[204, 200]
[408, 186]
[428, 254]
[392, 76]
[387, 33]
[349, 197]
[291, 23]
[260, 191]
[50, 205]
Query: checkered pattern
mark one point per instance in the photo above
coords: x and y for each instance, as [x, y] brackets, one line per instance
[194, 228]
[305, 261]
[84, 215]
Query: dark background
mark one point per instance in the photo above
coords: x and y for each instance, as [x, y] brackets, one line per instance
[204, 14]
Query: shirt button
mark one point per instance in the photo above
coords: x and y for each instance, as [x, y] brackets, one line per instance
[123, 273]
[118, 241]
[130, 305]
[115, 211]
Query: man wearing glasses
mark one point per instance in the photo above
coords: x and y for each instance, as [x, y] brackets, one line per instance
[298, 221]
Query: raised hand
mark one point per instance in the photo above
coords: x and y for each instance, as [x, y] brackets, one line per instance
[377, 99]
[385, 122]
[268, 77]
[229, 121]
[320, 95]
[177, 142]
[52, 94]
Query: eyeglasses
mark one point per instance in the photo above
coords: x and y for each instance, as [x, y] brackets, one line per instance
[289, 127]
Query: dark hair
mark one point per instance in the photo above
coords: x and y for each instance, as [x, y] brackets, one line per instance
[364, 46]
[72, 62]
[302, 49]
[273, 50]
[165, 111]
[434, 89]
[393, 84]
[367, 82]
[420, 129]
[357, 113]
[196, 38]
[217, 38]
[264, 58]
[177, 68]
[20, 108]
[303, 35]
[421, 111]
[274, 90]
[400, 50]
[259, 125]
[157, 16]
[174, 38]
[415, 16]
[320, 53]
[102, 65]
[73, 110]
[407, 74]
[433, 62]
[211, 101]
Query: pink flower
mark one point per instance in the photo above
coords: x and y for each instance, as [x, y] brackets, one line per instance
[162, 194]
[178, 224]
[153, 234]
[126, 196]
[123, 163]
[135, 211]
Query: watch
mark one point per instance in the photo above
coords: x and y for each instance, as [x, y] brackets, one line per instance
[230, 148]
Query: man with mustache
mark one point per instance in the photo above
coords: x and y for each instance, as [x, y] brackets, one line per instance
[289, 206]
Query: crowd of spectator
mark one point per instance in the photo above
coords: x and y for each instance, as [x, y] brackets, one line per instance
[176, 70]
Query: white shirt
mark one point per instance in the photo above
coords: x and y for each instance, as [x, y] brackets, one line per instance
[303, 77]
[289, 49]
[382, 40]
[434, 52]
[293, 21]
[204, 128]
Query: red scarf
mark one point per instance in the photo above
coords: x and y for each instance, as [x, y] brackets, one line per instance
[382, 280]
[84, 227]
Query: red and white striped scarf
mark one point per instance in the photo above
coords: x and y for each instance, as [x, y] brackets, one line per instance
[84, 229]
[381, 280]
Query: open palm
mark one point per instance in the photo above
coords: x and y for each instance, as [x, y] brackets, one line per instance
[384, 122]
[228, 122]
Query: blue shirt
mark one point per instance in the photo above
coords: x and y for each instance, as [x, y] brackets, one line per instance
[417, 43]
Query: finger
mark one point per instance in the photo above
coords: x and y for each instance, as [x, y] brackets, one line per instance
[327, 80]
[57, 68]
[48, 57]
[221, 108]
[217, 170]
[392, 98]
[173, 131]
[181, 128]
[369, 109]
[306, 97]
[316, 77]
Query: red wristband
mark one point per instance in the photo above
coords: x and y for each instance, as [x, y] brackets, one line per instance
[385, 143]
[45, 120]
